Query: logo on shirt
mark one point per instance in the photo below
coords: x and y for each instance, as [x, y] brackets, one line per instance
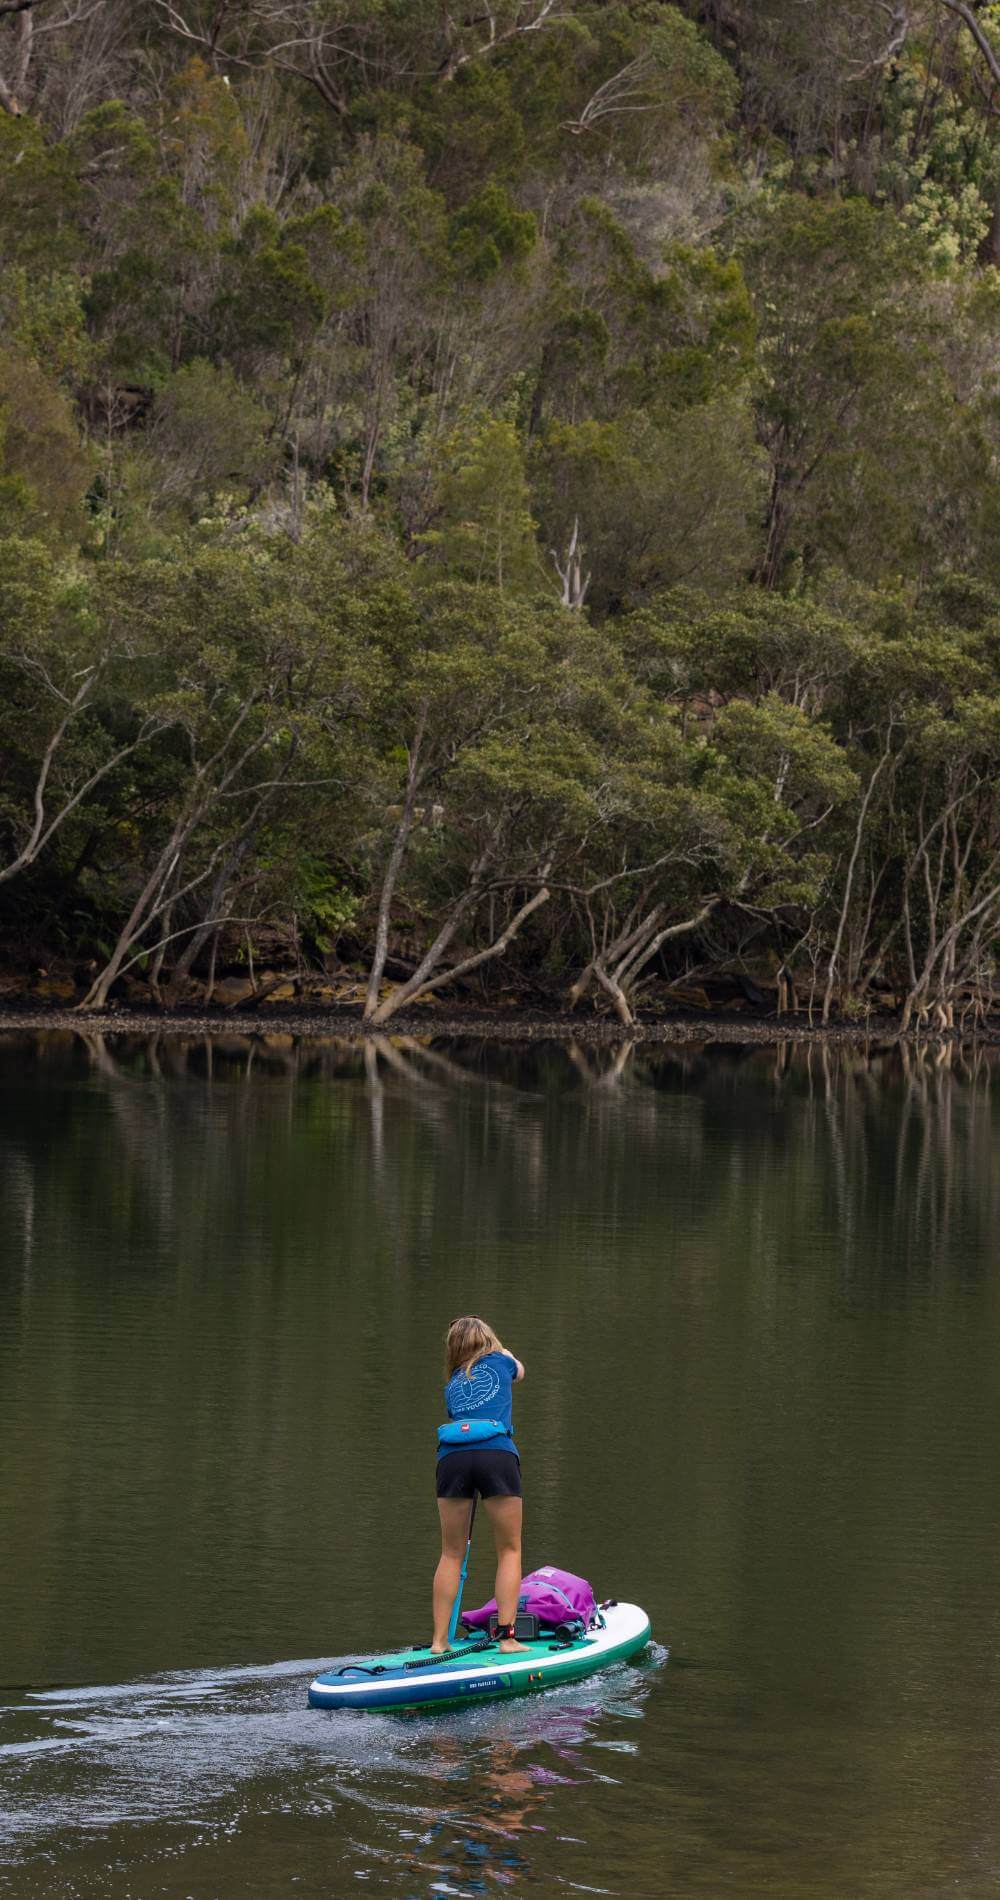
[472, 1393]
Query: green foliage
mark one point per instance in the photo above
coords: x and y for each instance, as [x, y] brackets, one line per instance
[45, 468]
[940, 165]
[570, 429]
[668, 334]
[328, 908]
[43, 317]
[38, 199]
[677, 90]
[205, 435]
[489, 232]
[485, 531]
[471, 131]
[844, 329]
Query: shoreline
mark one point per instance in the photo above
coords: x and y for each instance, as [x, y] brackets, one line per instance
[343, 1023]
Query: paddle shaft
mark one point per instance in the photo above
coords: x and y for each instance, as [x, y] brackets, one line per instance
[453, 1625]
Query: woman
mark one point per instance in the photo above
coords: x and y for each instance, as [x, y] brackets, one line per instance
[480, 1373]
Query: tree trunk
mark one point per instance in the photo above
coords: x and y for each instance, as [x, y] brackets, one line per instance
[777, 523]
[213, 908]
[393, 868]
[849, 880]
[141, 914]
[624, 941]
[619, 1000]
[44, 827]
[989, 250]
[643, 953]
[421, 985]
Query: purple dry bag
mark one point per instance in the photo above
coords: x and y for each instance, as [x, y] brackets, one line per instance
[554, 1596]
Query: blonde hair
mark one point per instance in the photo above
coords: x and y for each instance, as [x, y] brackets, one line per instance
[468, 1339]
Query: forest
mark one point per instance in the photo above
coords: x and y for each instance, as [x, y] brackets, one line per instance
[501, 503]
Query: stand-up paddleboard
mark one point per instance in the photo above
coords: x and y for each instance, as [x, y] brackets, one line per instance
[473, 1670]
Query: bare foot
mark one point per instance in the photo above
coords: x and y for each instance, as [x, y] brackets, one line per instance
[439, 1649]
[508, 1646]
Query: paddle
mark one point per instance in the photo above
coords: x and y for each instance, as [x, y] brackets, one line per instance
[453, 1625]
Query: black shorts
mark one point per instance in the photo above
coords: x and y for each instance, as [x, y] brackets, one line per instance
[494, 1474]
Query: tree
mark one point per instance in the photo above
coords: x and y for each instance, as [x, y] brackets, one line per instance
[484, 530]
[927, 868]
[78, 697]
[205, 434]
[327, 49]
[38, 202]
[710, 828]
[651, 503]
[701, 652]
[260, 682]
[843, 342]
[491, 720]
[45, 467]
[651, 869]
[39, 38]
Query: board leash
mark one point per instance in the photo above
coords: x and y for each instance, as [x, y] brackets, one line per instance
[456, 1606]
[451, 1655]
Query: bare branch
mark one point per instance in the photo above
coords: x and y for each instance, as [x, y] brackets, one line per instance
[44, 826]
[968, 18]
[899, 30]
[499, 35]
[422, 985]
[570, 570]
[75, 17]
[898, 15]
[623, 92]
[852, 866]
[206, 923]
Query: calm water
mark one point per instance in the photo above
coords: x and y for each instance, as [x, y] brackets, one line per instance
[758, 1294]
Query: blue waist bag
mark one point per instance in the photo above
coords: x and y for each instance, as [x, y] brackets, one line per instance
[470, 1431]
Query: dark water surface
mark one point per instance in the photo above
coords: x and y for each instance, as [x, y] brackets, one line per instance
[758, 1294]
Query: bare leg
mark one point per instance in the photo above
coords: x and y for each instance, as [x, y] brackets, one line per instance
[505, 1516]
[454, 1515]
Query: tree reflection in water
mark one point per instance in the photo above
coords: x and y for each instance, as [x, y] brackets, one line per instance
[756, 1291]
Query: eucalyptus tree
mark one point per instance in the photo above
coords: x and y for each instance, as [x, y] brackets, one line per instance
[80, 687]
[267, 673]
[642, 502]
[58, 56]
[45, 465]
[700, 652]
[641, 438]
[757, 789]
[843, 344]
[328, 48]
[650, 875]
[911, 904]
[461, 665]
[935, 821]
[510, 812]
[729, 824]
[953, 874]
